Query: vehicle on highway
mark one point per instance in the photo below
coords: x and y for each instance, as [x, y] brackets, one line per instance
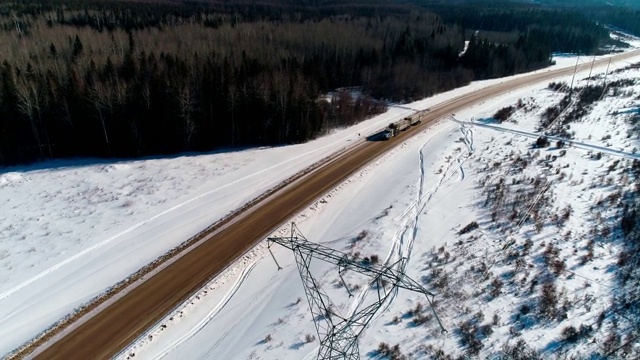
[401, 125]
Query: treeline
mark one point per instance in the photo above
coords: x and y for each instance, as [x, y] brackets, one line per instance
[627, 20]
[619, 14]
[118, 78]
[551, 29]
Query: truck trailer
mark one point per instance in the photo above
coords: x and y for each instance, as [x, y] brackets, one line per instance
[401, 125]
[395, 128]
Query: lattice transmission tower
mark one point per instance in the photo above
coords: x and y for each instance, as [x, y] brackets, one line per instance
[338, 334]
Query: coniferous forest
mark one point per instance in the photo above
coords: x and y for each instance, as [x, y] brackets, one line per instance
[134, 78]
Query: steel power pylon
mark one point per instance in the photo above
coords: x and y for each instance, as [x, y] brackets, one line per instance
[339, 334]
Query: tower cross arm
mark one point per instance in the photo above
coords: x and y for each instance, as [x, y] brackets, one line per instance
[347, 262]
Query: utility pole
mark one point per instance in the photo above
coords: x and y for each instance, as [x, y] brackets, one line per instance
[604, 85]
[574, 75]
[607, 73]
[591, 70]
[339, 334]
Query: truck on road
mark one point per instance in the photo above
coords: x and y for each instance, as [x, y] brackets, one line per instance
[401, 125]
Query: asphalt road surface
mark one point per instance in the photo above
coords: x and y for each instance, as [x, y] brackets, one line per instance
[107, 332]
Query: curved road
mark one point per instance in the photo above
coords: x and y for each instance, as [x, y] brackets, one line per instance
[108, 331]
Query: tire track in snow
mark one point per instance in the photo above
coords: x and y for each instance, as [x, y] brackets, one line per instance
[460, 169]
[211, 315]
[424, 199]
[418, 206]
[398, 242]
[414, 226]
[409, 225]
[467, 138]
[248, 308]
[312, 354]
[358, 301]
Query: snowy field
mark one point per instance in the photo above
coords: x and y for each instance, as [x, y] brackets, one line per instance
[533, 241]
[71, 229]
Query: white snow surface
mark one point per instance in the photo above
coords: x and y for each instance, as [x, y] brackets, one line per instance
[411, 202]
[71, 229]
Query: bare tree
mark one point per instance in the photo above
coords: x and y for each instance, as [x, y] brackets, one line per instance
[16, 22]
[99, 95]
[187, 105]
[30, 101]
[282, 99]
[232, 101]
[146, 95]
[263, 90]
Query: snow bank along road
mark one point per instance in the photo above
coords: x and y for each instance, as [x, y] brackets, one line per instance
[102, 334]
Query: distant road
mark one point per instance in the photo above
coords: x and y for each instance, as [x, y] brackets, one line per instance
[142, 305]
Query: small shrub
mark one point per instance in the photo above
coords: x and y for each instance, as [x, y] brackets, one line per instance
[570, 334]
[496, 287]
[504, 114]
[392, 353]
[589, 255]
[309, 338]
[556, 86]
[475, 346]
[566, 213]
[519, 351]
[528, 244]
[442, 280]
[548, 301]
[485, 330]
[550, 253]
[468, 228]
[558, 266]
[611, 343]
[417, 310]
[435, 354]
[585, 330]
[421, 319]
[542, 142]
[469, 332]
[478, 317]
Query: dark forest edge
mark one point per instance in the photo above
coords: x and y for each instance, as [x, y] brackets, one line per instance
[126, 79]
